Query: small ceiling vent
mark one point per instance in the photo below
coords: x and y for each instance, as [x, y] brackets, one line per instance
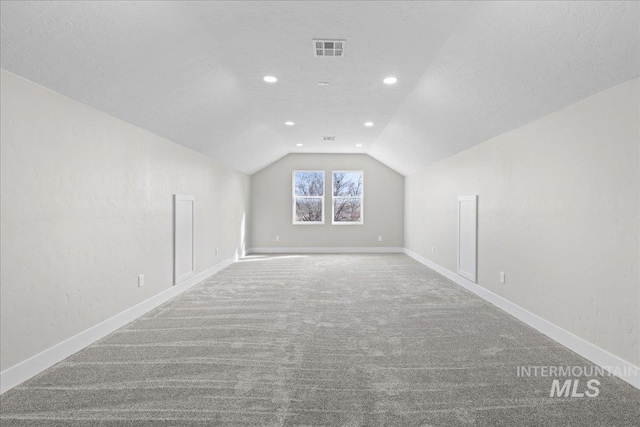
[328, 138]
[328, 48]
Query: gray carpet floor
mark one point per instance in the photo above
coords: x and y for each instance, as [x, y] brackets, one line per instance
[331, 340]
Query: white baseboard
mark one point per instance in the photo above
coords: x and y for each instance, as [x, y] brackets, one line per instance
[21, 372]
[326, 250]
[615, 365]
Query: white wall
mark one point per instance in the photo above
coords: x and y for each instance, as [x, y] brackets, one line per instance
[271, 199]
[558, 213]
[87, 207]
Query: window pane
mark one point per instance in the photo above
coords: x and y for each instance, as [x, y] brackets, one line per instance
[347, 184]
[309, 184]
[346, 209]
[308, 210]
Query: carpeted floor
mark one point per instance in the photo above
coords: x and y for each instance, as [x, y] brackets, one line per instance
[340, 340]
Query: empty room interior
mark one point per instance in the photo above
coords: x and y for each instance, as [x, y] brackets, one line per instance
[320, 213]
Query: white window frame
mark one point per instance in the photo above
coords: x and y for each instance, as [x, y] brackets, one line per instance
[333, 204]
[293, 199]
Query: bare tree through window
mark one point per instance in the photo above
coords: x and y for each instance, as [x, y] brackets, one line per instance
[347, 197]
[308, 197]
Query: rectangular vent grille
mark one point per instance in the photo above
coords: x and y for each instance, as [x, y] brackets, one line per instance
[328, 48]
[328, 138]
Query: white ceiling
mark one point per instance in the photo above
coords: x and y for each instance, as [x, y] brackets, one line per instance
[192, 71]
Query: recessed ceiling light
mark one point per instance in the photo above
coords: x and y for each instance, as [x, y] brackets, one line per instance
[289, 123]
[368, 124]
[270, 79]
[298, 145]
[323, 83]
[358, 145]
[390, 80]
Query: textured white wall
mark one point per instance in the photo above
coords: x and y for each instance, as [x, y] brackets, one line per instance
[271, 202]
[558, 212]
[86, 207]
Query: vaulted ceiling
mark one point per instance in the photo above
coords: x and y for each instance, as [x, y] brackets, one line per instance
[193, 71]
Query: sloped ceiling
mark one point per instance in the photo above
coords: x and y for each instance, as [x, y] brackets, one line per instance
[192, 71]
[507, 64]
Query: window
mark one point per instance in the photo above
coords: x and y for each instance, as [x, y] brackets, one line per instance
[347, 197]
[308, 197]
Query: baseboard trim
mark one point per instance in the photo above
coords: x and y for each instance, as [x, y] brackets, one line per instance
[326, 250]
[615, 365]
[21, 372]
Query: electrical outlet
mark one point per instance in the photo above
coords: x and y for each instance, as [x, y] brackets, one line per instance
[502, 277]
[433, 249]
[216, 251]
[141, 280]
[379, 238]
[277, 238]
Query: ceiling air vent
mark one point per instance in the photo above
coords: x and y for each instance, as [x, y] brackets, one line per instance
[328, 138]
[328, 48]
